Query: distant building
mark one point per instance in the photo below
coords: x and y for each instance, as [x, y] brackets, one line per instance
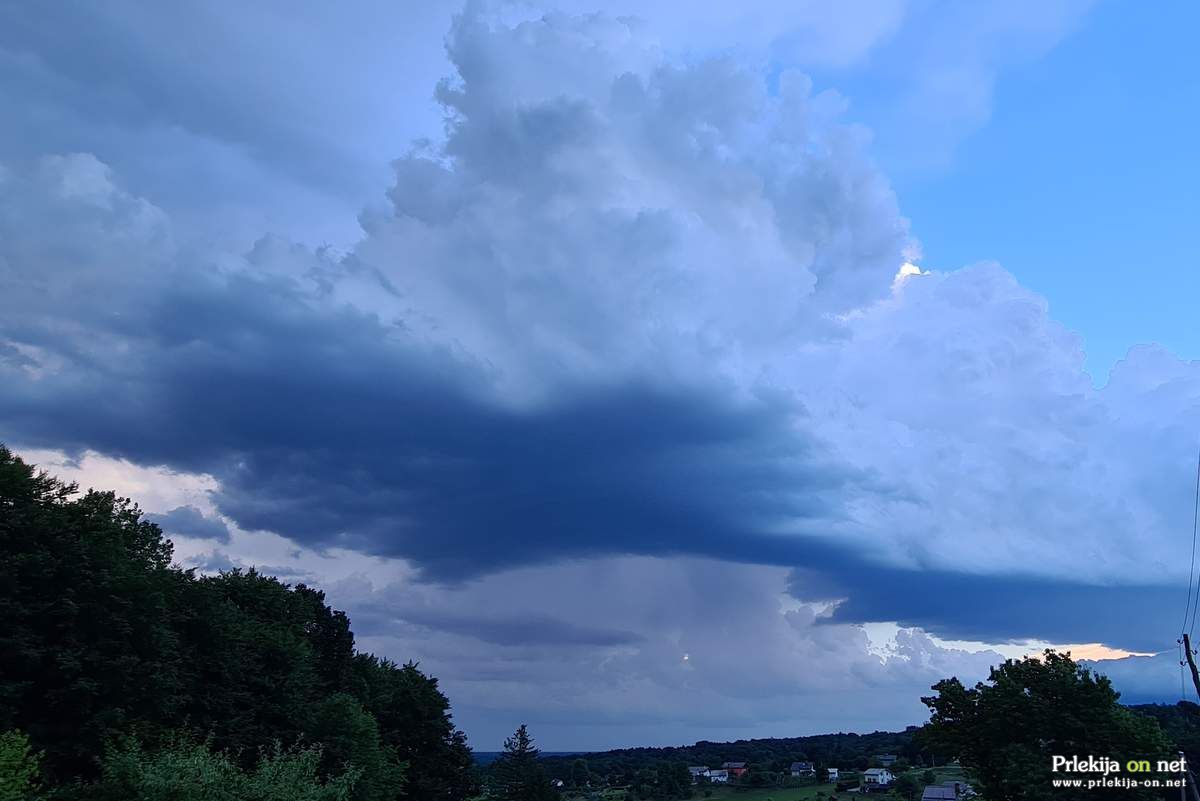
[717, 776]
[698, 771]
[876, 779]
[947, 791]
[887, 760]
[734, 768]
[831, 774]
[803, 770]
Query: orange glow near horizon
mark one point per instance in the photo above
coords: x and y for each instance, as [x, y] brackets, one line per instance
[1094, 651]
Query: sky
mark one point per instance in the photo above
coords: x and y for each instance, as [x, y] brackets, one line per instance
[648, 373]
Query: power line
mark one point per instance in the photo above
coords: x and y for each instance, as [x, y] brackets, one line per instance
[1192, 569]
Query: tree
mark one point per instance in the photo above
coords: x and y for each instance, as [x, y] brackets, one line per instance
[518, 776]
[19, 768]
[908, 786]
[1007, 729]
[349, 739]
[928, 777]
[414, 719]
[580, 775]
[673, 780]
[87, 646]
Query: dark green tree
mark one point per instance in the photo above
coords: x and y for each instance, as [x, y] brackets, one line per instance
[87, 645]
[908, 786]
[580, 775]
[414, 719]
[1006, 730]
[20, 768]
[350, 739]
[517, 774]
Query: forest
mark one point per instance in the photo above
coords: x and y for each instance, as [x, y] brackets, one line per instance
[123, 676]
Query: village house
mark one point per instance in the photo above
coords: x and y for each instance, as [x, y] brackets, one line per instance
[698, 771]
[947, 791]
[718, 776]
[876, 779]
[831, 774]
[735, 768]
[803, 770]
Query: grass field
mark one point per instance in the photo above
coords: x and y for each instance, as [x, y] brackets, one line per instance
[762, 794]
[772, 793]
[811, 793]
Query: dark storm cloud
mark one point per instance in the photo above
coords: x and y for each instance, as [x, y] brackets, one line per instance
[336, 429]
[188, 521]
[993, 608]
[373, 620]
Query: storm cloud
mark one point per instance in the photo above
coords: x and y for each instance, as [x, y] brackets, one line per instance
[629, 308]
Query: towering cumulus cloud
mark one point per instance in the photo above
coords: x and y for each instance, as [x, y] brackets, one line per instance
[572, 334]
[628, 307]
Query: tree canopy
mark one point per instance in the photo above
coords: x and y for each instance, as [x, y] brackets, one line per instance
[105, 640]
[1007, 729]
[517, 775]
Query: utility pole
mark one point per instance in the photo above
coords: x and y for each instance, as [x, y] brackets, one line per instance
[1187, 650]
[1190, 781]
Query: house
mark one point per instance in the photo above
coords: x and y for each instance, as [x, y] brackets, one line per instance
[947, 791]
[803, 770]
[878, 776]
[831, 774]
[698, 771]
[876, 779]
[887, 760]
[718, 776]
[734, 768]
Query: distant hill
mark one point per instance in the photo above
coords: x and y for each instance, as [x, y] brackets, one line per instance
[1180, 721]
[485, 758]
[847, 751]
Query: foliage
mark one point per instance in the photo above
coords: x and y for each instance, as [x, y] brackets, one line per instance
[85, 593]
[580, 775]
[19, 767]
[414, 719]
[1180, 722]
[908, 786]
[350, 737]
[1006, 730]
[104, 638]
[517, 774]
[186, 771]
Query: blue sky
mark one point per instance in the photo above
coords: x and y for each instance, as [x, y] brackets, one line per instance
[1082, 181]
[581, 356]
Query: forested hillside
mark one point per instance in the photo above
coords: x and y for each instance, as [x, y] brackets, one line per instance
[848, 751]
[118, 670]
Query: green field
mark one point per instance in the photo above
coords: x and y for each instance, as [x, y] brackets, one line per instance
[821, 791]
[772, 793]
[810, 793]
